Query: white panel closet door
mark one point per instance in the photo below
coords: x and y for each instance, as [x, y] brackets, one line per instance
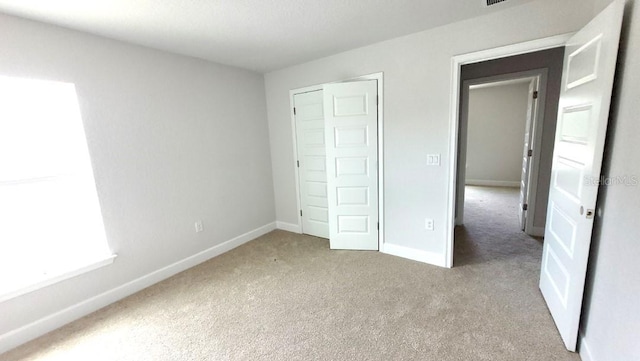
[587, 81]
[351, 130]
[310, 140]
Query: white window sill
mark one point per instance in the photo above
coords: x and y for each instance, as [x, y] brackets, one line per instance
[51, 279]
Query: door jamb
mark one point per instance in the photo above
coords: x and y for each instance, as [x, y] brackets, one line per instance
[375, 76]
[456, 65]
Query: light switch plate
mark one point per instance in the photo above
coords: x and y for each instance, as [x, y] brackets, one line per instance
[428, 224]
[199, 227]
[433, 159]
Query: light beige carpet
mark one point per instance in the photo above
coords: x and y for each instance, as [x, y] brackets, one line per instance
[288, 297]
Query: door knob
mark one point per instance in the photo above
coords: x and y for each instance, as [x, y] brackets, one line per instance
[590, 212]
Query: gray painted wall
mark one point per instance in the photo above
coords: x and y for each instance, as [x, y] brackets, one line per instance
[611, 314]
[495, 134]
[172, 140]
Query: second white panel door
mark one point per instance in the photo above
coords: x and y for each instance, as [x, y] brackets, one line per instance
[351, 133]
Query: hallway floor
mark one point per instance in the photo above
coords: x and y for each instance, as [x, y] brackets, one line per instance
[491, 230]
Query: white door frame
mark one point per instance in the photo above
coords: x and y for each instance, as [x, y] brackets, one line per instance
[456, 65]
[536, 141]
[374, 76]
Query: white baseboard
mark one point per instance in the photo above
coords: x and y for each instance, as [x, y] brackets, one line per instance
[537, 231]
[56, 320]
[288, 227]
[491, 183]
[432, 258]
[585, 351]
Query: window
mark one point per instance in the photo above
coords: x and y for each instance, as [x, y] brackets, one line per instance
[50, 221]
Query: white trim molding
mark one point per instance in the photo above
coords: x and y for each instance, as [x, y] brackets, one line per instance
[585, 351]
[49, 323]
[491, 183]
[456, 65]
[432, 258]
[537, 231]
[289, 227]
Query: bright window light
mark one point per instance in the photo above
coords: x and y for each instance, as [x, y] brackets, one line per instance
[50, 219]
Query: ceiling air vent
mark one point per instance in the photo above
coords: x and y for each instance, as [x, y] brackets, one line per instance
[488, 3]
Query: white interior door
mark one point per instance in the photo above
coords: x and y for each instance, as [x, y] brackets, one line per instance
[351, 133]
[587, 81]
[312, 172]
[525, 175]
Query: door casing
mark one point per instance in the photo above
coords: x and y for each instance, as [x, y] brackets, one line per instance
[456, 66]
[536, 128]
[375, 76]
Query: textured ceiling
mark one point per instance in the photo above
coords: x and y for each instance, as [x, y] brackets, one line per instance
[260, 35]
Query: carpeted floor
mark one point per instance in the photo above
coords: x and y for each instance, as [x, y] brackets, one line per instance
[288, 297]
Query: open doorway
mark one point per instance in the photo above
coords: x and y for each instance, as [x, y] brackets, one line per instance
[501, 123]
[500, 138]
[524, 65]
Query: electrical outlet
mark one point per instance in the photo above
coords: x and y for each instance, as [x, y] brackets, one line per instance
[428, 224]
[199, 227]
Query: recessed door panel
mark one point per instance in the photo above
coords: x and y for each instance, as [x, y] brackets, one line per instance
[317, 189]
[574, 124]
[351, 136]
[352, 196]
[318, 202]
[353, 224]
[583, 63]
[351, 105]
[557, 275]
[306, 111]
[563, 229]
[568, 177]
[314, 138]
[352, 166]
[315, 163]
[318, 214]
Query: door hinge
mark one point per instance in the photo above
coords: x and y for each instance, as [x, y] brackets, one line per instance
[301, 213]
[294, 110]
[535, 94]
[377, 100]
[298, 163]
[378, 226]
[525, 207]
[530, 152]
